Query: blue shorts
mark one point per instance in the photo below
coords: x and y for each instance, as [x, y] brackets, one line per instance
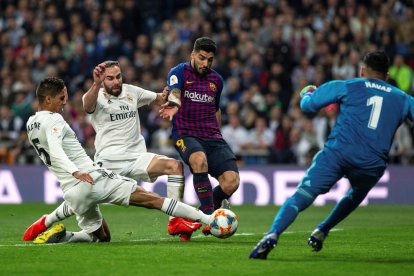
[328, 168]
[220, 157]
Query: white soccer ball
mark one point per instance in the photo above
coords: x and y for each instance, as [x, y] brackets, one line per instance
[223, 223]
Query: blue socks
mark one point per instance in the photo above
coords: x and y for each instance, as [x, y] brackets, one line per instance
[290, 210]
[344, 207]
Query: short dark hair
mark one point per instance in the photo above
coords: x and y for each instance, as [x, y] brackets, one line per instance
[110, 63]
[205, 44]
[377, 61]
[49, 86]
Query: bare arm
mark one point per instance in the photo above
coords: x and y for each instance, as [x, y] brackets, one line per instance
[218, 116]
[170, 108]
[91, 96]
[161, 97]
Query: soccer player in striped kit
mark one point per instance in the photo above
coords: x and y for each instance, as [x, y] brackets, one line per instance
[193, 106]
[120, 146]
[85, 185]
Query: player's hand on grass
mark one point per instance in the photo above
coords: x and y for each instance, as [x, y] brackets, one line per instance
[168, 111]
[85, 177]
[307, 90]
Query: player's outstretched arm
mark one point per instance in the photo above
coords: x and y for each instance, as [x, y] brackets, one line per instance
[91, 96]
[170, 108]
[161, 97]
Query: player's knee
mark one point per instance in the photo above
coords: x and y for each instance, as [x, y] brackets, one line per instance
[175, 167]
[198, 162]
[231, 183]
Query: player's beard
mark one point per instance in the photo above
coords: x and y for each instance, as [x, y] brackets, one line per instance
[110, 90]
[198, 70]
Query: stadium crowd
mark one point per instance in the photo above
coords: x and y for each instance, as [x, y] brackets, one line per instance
[267, 51]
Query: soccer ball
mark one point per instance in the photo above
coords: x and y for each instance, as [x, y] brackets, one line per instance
[223, 223]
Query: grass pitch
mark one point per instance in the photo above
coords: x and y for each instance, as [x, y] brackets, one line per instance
[374, 240]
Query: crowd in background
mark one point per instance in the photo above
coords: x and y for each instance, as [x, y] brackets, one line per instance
[267, 51]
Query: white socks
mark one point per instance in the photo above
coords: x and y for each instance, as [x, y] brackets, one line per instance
[178, 209]
[80, 236]
[175, 187]
[60, 213]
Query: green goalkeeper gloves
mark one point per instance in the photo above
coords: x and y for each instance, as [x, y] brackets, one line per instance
[307, 90]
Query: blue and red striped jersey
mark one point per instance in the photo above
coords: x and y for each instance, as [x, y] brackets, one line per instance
[200, 97]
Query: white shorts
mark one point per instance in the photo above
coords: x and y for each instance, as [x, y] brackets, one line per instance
[84, 198]
[134, 168]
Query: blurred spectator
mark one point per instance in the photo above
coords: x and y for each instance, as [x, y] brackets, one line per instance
[267, 51]
[342, 69]
[282, 146]
[22, 152]
[302, 42]
[260, 137]
[361, 21]
[235, 133]
[402, 146]
[402, 74]
[305, 71]
[10, 128]
[161, 139]
[22, 105]
[306, 143]
[275, 117]
[10, 125]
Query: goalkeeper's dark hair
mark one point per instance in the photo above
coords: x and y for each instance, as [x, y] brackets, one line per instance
[49, 86]
[205, 44]
[378, 61]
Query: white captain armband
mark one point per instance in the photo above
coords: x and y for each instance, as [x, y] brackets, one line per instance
[173, 100]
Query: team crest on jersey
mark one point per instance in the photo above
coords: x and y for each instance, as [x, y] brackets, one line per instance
[129, 98]
[213, 87]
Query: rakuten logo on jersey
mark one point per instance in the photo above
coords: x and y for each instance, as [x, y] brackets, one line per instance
[196, 97]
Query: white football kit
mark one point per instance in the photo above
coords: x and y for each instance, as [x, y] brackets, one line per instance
[60, 150]
[119, 144]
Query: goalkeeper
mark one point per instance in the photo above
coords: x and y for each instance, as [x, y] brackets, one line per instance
[371, 110]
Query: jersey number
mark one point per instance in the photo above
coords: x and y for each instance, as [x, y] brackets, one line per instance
[376, 102]
[41, 151]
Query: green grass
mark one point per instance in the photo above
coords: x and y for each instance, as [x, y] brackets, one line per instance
[374, 240]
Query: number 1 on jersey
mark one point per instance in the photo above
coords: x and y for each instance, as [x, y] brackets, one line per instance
[376, 102]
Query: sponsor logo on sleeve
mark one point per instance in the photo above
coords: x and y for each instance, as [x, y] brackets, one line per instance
[173, 80]
[56, 131]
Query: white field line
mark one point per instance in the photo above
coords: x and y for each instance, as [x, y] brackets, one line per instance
[199, 236]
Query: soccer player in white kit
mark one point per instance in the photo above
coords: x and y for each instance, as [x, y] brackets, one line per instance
[120, 146]
[85, 184]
